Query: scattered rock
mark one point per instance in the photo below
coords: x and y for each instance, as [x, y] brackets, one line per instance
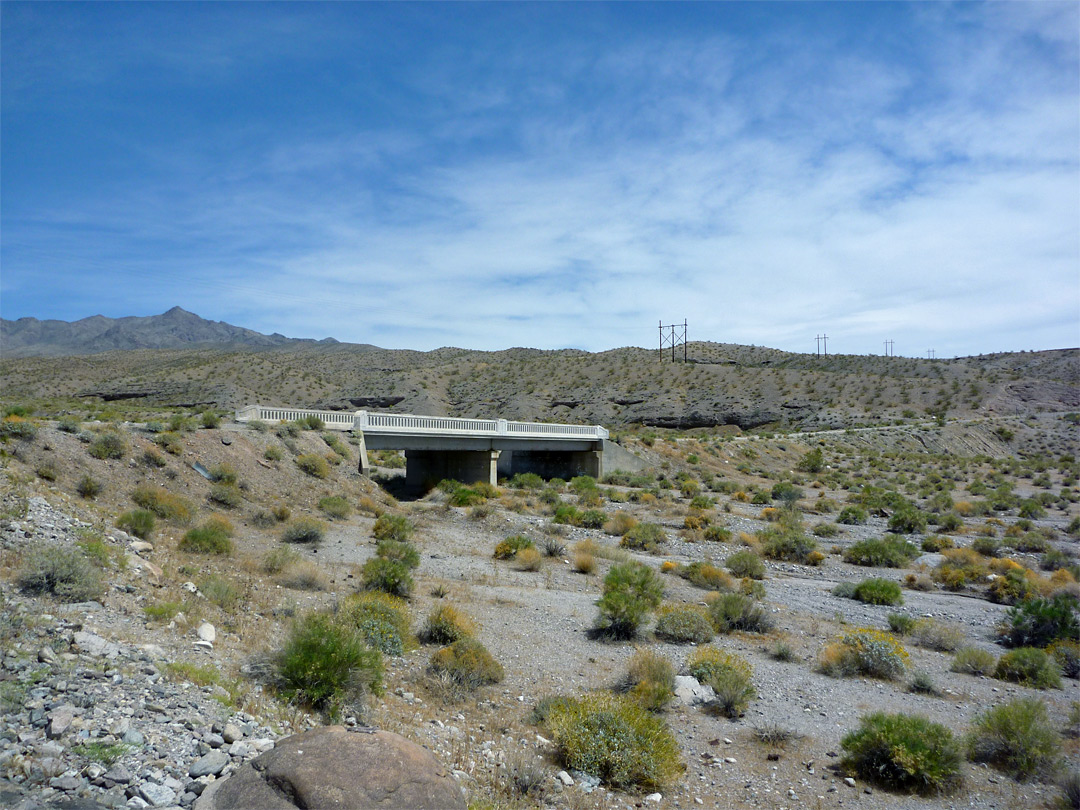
[206, 632]
[211, 763]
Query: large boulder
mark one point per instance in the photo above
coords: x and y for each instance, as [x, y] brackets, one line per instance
[332, 767]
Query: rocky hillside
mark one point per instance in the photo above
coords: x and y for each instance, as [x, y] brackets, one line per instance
[738, 387]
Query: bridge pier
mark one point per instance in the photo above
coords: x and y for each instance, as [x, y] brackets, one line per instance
[425, 468]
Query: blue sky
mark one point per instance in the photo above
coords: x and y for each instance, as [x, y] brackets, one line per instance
[550, 175]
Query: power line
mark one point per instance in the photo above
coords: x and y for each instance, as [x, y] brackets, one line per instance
[674, 337]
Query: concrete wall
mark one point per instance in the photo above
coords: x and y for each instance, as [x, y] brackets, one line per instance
[551, 463]
[425, 468]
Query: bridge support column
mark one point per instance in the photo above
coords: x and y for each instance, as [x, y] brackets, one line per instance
[589, 462]
[364, 465]
[425, 468]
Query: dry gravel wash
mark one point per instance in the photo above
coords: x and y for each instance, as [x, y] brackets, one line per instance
[535, 623]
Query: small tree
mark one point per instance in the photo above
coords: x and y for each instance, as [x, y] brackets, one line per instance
[631, 591]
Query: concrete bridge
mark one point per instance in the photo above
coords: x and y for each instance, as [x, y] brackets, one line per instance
[469, 450]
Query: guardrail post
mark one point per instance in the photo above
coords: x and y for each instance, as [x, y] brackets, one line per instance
[500, 428]
[360, 420]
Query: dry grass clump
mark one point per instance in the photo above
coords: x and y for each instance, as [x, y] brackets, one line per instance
[584, 563]
[60, 571]
[446, 624]
[304, 576]
[936, 636]
[529, 559]
[973, 661]
[683, 624]
[468, 663]
[707, 576]
[650, 679]
[730, 676]
[163, 503]
[865, 651]
[620, 523]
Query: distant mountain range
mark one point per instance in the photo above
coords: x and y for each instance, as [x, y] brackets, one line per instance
[175, 329]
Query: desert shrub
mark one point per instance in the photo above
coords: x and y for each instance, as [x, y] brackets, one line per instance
[752, 587]
[325, 664]
[935, 543]
[223, 474]
[221, 591]
[60, 571]
[226, 495]
[210, 538]
[613, 738]
[973, 661]
[845, 590]
[170, 443]
[735, 611]
[986, 546]
[405, 553]
[1031, 543]
[281, 513]
[387, 575]
[786, 544]
[786, 492]
[508, 548]
[1031, 509]
[852, 516]
[1040, 621]
[825, 530]
[304, 576]
[69, 424]
[584, 563]
[553, 547]
[922, 683]
[1066, 653]
[277, 560]
[392, 527]
[937, 636]
[47, 471]
[904, 752]
[445, 625]
[746, 563]
[650, 679]
[878, 591]
[960, 568]
[591, 519]
[529, 559]
[907, 520]
[311, 422]
[152, 458]
[139, 522]
[730, 676]
[950, 522]
[335, 506]
[706, 575]
[262, 519]
[865, 652]
[900, 624]
[273, 453]
[89, 487]
[1014, 585]
[643, 537]
[620, 523]
[288, 430]
[163, 503]
[889, 553]
[314, 465]
[717, 534]
[210, 419]
[1016, 738]
[1029, 666]
[108, 445]
[631, 591]
[304, 530]
[468, 663]
[1053, 560]
[683, 624]
[382, 620]
[464, 496]
[526, 481]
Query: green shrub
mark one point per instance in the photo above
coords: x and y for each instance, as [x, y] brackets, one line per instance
[226, 495]
[392, 527]
[935, 543]
[274, 453]
[735, 611]
[224, 474]
[139, 522]
[1066, 653]
[163, 503]
[878, 591]
[467, 662]
[900, 624]
[222, 592]
[1016, 738]
[464, 496]
[405, 553]
[644, 537]
[746, 563]
[382, 620]
[890, 553]
[730, 676]
[69, 424]
[325, 664]
[950, 522]
[786, 492]
[852, 516]
[987, 546]
[277, 560]
[706, 575]
[108, 445]
[446, 624]
[937, 636]
[89, 487]
[650, 679]
[825, 530]
[1029, 666]
[304, 530]
[60, 571]
[592, 519]
[210, 538]
[683, 624]
[973, 661]
[509, 547]
[526, 481]
[210, 419]
[904, 752]
[908, 520]
[865, 651]
[631, 591]
[170, 443]
[786, 544]
[388, 576]
[47, 471]
[717, 534]
[314, 465]
[335, 506]
[1038, 622]
[615, 739]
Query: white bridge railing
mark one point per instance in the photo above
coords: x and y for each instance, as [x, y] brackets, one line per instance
[414, 424]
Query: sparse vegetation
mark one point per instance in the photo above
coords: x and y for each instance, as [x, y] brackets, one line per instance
[904, 752]
[1016, 738]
